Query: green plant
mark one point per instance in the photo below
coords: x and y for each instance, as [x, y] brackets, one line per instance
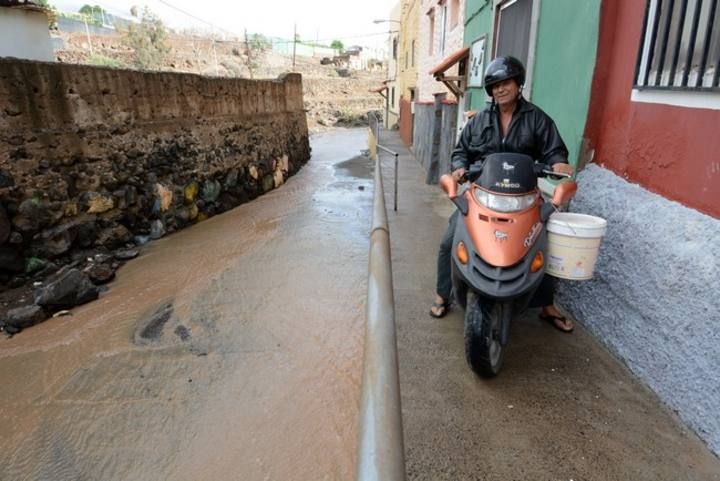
[337, 44]
[148, 41]
[260, 42]
[103, 61]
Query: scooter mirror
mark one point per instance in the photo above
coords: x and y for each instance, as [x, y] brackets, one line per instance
[564, 192]
[449, 185]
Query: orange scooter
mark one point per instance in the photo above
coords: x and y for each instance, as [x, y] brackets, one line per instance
[499, 248]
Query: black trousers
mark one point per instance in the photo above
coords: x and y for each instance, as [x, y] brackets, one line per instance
[543, 296]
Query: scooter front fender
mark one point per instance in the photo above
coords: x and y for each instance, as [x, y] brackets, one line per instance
[493, 282]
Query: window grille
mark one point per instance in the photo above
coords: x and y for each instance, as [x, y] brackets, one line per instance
[680, 47]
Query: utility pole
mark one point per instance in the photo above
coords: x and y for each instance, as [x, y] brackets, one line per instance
[249, 53]
[212, 39]
[294, 44]
[87, 33]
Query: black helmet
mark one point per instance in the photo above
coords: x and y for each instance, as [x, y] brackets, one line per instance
[503, 68]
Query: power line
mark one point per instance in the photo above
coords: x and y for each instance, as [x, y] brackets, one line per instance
[164, 2]
[340, 38]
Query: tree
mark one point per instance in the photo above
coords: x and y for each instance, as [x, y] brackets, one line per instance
[93, 13]
[91, 10]
[260, 41]
[337, 45]
[148, 41]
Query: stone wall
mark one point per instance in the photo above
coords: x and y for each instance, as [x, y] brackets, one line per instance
[94, 158]
[654, 298]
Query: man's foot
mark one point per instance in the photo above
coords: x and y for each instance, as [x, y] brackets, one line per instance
[440, 307]
[551, 315]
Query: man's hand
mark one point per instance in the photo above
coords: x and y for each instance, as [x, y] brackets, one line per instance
[563, 168]
[458, 174]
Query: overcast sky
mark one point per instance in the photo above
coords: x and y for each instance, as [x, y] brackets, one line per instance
[349, 21]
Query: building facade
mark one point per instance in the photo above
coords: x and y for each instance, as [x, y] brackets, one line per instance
[537, 33]
[440, 34]
[634, 88]
[395, 60]
[409, 56]
[652, 134]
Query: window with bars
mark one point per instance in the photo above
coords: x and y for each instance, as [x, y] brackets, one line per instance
[443, 27]
[680, 48]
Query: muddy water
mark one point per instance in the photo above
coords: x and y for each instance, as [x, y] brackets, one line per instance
[231, 350]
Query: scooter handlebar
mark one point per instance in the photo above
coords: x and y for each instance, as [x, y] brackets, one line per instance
[545, 170]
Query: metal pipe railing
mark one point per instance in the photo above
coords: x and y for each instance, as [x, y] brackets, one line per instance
[395, 180]
[381, 452]
[374, 123]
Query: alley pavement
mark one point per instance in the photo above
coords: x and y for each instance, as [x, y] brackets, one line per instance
[232, 350]
[562, 408]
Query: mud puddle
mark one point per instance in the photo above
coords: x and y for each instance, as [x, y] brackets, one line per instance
[230, 350]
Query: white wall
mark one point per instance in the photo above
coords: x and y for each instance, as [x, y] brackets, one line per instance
[24, 34]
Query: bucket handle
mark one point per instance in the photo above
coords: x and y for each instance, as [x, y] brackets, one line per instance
[568, 223]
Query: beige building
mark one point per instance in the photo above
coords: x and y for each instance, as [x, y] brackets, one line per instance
[408, 78]
[440, 34]
[409, 60]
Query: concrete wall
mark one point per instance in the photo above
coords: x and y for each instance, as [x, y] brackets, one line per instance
[25, 34]
[448, 128]
[93, 157]
[671, 150]
[72, 25]
[654, 298]
[434, 136]
[428, 86]
[422, 133]
[563, 69]
[285, 47]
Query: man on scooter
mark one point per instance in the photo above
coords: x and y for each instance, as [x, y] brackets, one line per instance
[509, 124]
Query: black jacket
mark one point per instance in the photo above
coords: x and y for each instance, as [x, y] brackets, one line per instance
[531, 132]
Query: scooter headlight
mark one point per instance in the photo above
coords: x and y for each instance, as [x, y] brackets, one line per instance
[504, 203]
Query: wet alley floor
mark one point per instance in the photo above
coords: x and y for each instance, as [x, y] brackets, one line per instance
[232, 350]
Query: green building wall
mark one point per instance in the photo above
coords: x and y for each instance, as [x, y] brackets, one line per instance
[478, 22]
[565, 52]
[564, 63]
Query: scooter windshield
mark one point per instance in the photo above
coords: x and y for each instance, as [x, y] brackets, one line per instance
[508, 173]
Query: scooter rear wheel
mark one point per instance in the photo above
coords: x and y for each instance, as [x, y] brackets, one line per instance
[484, 351]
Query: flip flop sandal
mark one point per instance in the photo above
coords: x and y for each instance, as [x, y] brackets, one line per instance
[552, 321]
[443, 306]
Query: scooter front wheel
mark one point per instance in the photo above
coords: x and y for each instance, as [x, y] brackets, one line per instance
[484, 350]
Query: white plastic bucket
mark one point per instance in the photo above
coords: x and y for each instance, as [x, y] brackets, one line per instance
[573, 245]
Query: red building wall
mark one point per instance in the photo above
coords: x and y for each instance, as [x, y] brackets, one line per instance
[673, 151]
[406, 121]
